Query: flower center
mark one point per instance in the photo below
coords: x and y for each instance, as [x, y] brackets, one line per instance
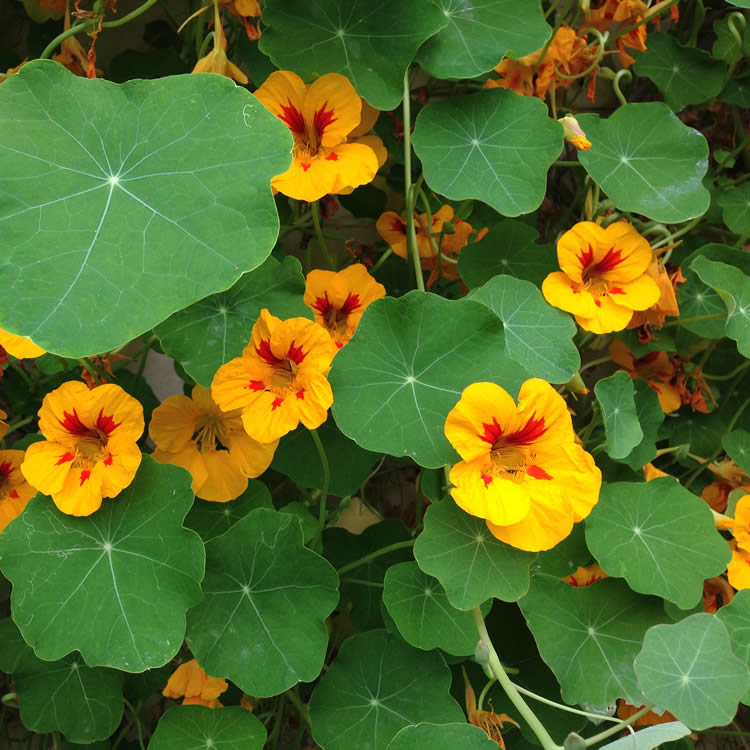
[512, 451]
[210, 433]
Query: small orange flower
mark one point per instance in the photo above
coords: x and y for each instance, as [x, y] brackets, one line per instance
[192, 684]
[216, 61]
[280, 379]
[522, 470]
[738, 570]
[626, 710]
[321, 117]
[15, 491]
[339, 299]
[209, 443]
[667, 281]
[714, 589]
[650, 472]
[603, 278]
[90, 452]
[491, 722]
[3, 424]
[585, 576]
[516, 75]
[20, 347]
[741, 528]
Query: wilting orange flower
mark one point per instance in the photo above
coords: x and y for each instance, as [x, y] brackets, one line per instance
[15, 491]
[20, 347]
[90, 452]
[280, 379]
[603, 278]
[656, 368]
[491, 722]
[192, 684]
[244, 10]
[12, 71]
[585, 576]
[522, 470]
[713, 589]
[321, 117]
[666, 305]
[339, 299]
[216, 61]
[626, 710]
[730, 477]
[209, 443]
[738, 570]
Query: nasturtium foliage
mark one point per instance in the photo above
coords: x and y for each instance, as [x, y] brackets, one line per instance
[538, 336]
[648, 162]
[360, 41]
[659, 537]
[727, 47]
[735, 207]
[125, 203]
[442, 737]
[201, 728]
[266, 597]
[403, 371]
[650, 417]
[736, 618]
[595, 630]
[205, 335]
[650, 737]
[472, 566]
[616, 398]
[479, 34]
[377, 686]
[737, 447]
[494, 145]
[114, 585]
[688, 668]
[81, 702]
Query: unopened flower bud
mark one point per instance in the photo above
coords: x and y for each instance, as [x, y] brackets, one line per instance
[574, 133]
[449, 227]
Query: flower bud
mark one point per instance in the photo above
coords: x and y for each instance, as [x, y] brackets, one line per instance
[574, 133]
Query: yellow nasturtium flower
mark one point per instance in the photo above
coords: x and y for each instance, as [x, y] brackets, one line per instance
[738, 570]
[20, 347]
[194, 686]
[3, 424]
[603, 278]
[522, 470]
[90, 450]
[15, 491]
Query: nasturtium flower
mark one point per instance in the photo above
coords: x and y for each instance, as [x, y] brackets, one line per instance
[194, 433]
[741, 528]
[190, 682]
[667, 280]
[738, 570]
[3, 424]
[574, 134]
[362, 134]
[650, 472]
[603, 278]
[489, 721]
[392, 228]
[586, 575]
[216, 61]
[339, 299]
[15, 491]
[280, 378]
[522, 469]
[715, 589]
[321, 117]
[20, 347]
[90, 450]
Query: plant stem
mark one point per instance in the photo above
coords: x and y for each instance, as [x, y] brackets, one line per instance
[563, 707]
[322, 512]
[302, 709]
[379, 262]
[522, 707]
[411, 198]
[89, 368]
[60, 38]
[129, 16]
[373, 555]
[738, 414]
[734, 372]
[694, 319]
[319, 235]
[20, 423]
[614, 730]
[561, 163]
[22, 374]
[134, 713]
[678, 233]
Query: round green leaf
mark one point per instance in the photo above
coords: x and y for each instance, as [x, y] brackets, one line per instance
[201, 728]
[83, 703]
[650, 737]
[114, 585]
[616, 397]
[735, 205]
[659, 537]
[648, 162]
[685, 75]
[124, 203]
[209, 333]
[494, 145]
[737, 447]
[689, 669]
[371, 46]
[376, 686]
[537, 335]
[736, 617]
[403, 371]
[423, 614]
[589, 636]
[480, 33]
[442, 737]
[266, 597]
[469, 562]
[650, 417]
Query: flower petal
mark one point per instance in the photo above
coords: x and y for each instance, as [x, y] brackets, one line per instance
[639, 294]
[173, 423]
[568, 295]
[283, 94]
[224, 479]
[190, 459]
[608, 317]
[20, 347]
[332, 109]
[46, 466]
[121, 460]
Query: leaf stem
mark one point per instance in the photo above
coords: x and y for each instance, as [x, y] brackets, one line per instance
[322, 512]
[411, 197]
[379, 262]
[678, 233]
[319, 235]
[374, 555]
[614, 730]
[734, 372]
[129, 16]
[302, 709]
[62, 36]
[695, 319]
[20, 423]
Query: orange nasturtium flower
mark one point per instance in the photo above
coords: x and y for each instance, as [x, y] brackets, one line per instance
[3, 424]
[321, 117]
[491, 722]
[90, 450]
[666, 305]
[15, 491]
[280, 378]
[738, 570]
[522, 470]
[210, 443]
[585, 576]
[603, 278]
[20, 347]
[216, 61]
[339, 299]
[190, 681]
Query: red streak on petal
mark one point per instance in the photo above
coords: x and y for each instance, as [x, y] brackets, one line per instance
[65, 458]
[255, 385]
[85, 474]
[398, 226]
[585, 257]
[108, 460]
[333, 156]
[73, 424]
[6, 469]
[487, 479]
[598, 302]
[537, 472]
[528, 434]
[277, 402]
[296, 354]
[576, 291]
[305, 165]
[265, 353]
[351, 303]
[301, 393]
[106, 423]
[14, 494]
[322, 304]
[323, 118]
[293, 118]
[616, 290]
[492, 432]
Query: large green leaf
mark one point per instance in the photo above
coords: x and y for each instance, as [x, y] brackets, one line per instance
[403, 371]
[120, 204]
[266, 597]
[537, 335]
[376, 686]
[685, 75]
[372, 45]
[494, 145]
[736, 618]
[201, 728]
[209, 333]
[442, 737]
[480, 33]
[469, 562]
[689, 669]
[735, 208]
[659, 537]
[616, 397]
[737, 447]
[114, 585]
[648, 162]
[650, 417]
[649, 738]
[589, 636]
[83, 703]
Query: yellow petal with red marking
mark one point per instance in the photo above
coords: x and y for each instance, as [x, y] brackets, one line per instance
[332, 109]
[638, 294]
[608, 317]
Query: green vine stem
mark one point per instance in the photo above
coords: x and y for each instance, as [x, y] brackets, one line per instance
[410, 193]
[322, 513]
[674, 235]
[319, 235]
[614, 730]
[728, 376]
[373, 555]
